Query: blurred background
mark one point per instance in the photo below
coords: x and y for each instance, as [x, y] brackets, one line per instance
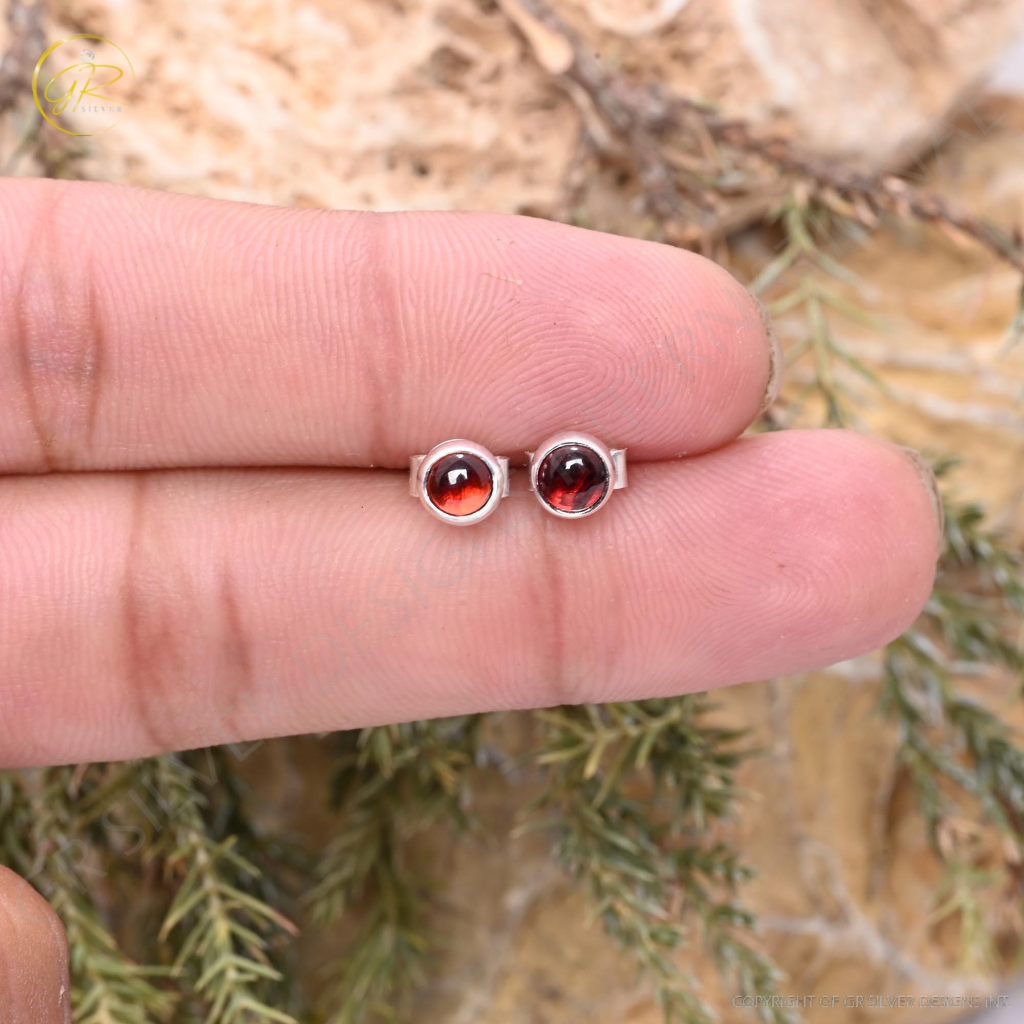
[861, 164]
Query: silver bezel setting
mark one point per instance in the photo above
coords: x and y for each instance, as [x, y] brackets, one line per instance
[614, 460]
[421, 465]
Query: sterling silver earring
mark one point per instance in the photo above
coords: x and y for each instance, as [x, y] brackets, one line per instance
[574, 474]
[459, 481]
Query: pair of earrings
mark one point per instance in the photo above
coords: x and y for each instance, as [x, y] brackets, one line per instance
[571, 474]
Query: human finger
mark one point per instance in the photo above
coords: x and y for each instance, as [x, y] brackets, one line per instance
[158, 611]
[142, 329]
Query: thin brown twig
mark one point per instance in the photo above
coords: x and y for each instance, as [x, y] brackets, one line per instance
[883, 190]
[640, 114]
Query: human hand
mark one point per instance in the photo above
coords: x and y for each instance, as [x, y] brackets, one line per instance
[198, 544]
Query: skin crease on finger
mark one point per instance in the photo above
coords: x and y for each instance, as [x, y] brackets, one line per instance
[33, 957]
[147, 612]
[149, 330]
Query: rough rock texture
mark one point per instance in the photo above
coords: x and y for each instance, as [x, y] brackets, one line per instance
[434, 103]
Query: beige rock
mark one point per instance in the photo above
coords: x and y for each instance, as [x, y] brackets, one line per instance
[434, 103]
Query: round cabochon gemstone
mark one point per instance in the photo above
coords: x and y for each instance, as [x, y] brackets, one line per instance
[459, 484]
[572, 478]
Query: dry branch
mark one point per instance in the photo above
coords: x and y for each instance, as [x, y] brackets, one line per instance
[641, 115]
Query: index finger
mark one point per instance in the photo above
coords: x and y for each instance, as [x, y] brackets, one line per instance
[141, 329]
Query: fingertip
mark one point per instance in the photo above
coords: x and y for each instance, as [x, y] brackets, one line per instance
[894, 523]
[677, 355]
[34, 979]
[923, 526]
[823, 545]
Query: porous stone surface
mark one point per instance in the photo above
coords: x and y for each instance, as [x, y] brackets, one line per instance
[438, 104]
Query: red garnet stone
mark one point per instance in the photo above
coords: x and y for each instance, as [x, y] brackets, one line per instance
[572, 478]
[459, 484]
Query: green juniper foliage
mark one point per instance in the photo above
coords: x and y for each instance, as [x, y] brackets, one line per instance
[44, 838]
[971, 622]
[635, 799]
[219, 929]
[963, 758]
[801, 218]
[638, 858]
[390, 783]
[216, 932]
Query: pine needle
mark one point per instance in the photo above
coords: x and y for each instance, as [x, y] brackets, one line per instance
[653, 871]
[223, 933]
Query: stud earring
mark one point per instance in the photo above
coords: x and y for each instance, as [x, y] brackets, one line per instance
[459, 481]
[574, 474]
